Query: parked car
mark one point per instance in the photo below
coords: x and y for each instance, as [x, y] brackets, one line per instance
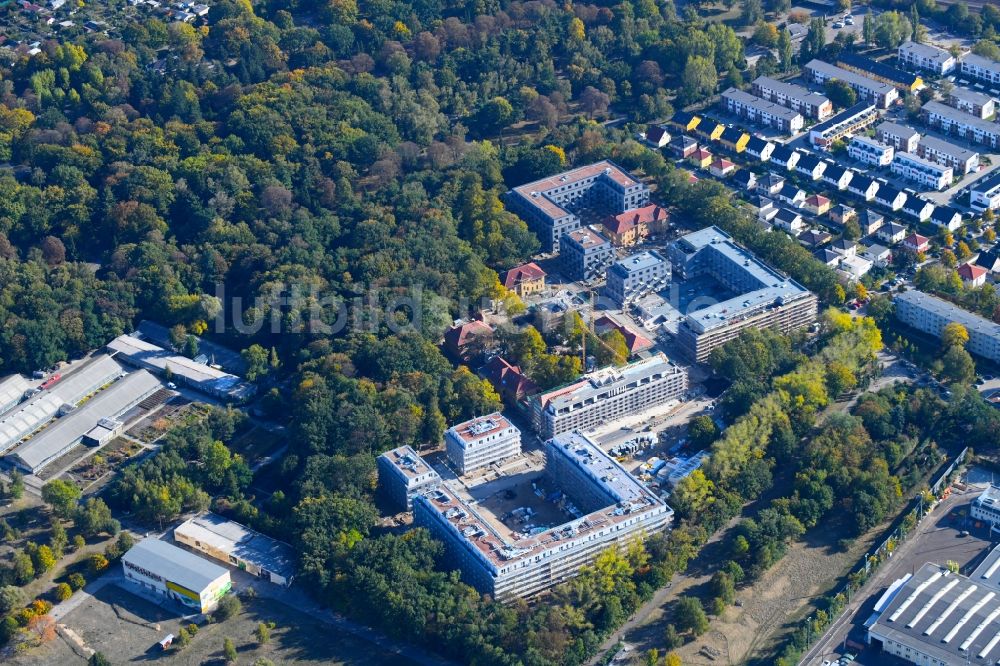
[838, 25]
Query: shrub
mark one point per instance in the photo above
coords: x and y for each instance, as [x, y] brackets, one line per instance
[97, 563]
[76, 581]
[63, 592]
[229, 606]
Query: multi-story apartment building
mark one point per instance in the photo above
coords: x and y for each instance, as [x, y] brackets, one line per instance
[548, 205]
[870, 152]
[481, 441]
[985, 194]
[846, 123]
[809, 104]
[612, 509]
[879, 71]
[869, 90]
[765, 298]
[971, 102]
[931, 314]
[902, 138]
[926, 57]
[608, 395]
[402, 475]
[637, 275]
[981, 68]
[961, 160]
[959, 123]
[761, 112]
[586, 254]
[923, 172]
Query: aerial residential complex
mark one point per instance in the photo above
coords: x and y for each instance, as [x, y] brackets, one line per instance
[402, 475]
[482, 441]
[586, 254]
[902, 138]
[762, 112]
[985, 193]
[607, 395]
[936, 617]
[868, 90]
[959, 123]
[922, 172]
[926, 57]
[809, 104]
[611, 508]
[931, 314]
[637, 275]
[763, 296]
[848, 122]
[549, 206]
[869, 151]
[981, 68]
[961, 160]
[971, 102]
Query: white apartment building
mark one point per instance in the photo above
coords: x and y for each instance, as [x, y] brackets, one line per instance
[961, 160]
[762, 112]
[608, 395]
[923, 172]
[871, 152]
[878, 93]
[926, 57]
[763, 296]
[610, 508]
[482, 441]
[972, 102]
[985, 194]
[402, 475]
[637, 275]
[902, 138]
[967, 126]
[931, 314]
[981, 68]
[809, 104]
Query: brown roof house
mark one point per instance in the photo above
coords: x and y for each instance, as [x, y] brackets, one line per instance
[525, 279]
[468, 341]
[633, 226]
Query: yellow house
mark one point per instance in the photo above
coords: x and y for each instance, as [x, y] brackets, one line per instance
[711, 129]
[734, 139]
[686, 122]
[701, 158]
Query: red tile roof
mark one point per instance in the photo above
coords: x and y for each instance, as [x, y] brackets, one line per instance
[916, 240]
[523, 273]
[817, 200]
[635, 341]
[618, 224]
[457, 337]
[702, 154]
[722, 163]
[508, 379]
[969, 272]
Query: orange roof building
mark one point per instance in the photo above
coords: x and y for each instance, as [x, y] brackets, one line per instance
[525, 279]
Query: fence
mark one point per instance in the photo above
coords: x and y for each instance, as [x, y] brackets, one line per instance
[872, 560]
